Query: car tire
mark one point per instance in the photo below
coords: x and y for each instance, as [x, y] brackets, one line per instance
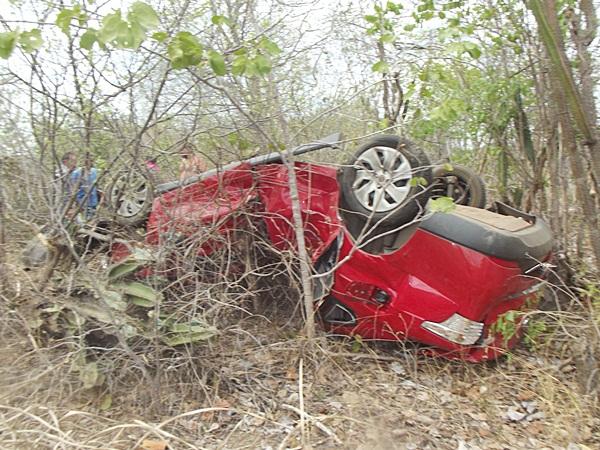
[377, 182]
[461, 184]
[129, 197]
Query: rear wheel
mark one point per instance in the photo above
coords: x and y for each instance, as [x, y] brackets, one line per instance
[461, 184]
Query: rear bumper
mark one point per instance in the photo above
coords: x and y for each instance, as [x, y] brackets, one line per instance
[503, 329]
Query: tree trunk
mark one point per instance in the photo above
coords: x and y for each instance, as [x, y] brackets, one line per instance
[568, 103]
[583, 38]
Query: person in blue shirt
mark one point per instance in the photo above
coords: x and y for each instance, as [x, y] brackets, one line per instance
[84, 179]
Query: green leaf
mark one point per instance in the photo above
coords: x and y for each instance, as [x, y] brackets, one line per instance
[394, 7]
[160, 36]
[176, 340]
[82, 18]
[190, 327]
[220, 20]
[239, 65]
[105, 402]
[418, 181]
[139, 301]
[139, 290]
[124, 268]
[472, 49]
[63, 20]
[442, 205]
[372, 19]
[448, 167]
[88, 39]
[87, 309]
[144, 15]
[262, 64]
[31, 40]
[124, 39]
[387, 37]
[250, 69]
[465, 47]
[217, 63]
[112, 27]
[451, 5]
[185, 50]
[427, 5]
[269, 46]
[89, 375]
[135, 36]
[186, 333]
[8, 41]
[114, 300]
[410, 27]
[129, 331]
[380, 66]
[357, 343]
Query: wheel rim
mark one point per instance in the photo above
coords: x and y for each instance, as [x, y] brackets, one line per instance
[382, 181]
[129, 194]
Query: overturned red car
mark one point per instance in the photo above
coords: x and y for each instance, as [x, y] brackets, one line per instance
[387, 265]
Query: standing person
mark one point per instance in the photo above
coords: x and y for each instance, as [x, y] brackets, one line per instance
[84, 179]
[191, 164]
[63, 180]
[153, 170]
[68, 162]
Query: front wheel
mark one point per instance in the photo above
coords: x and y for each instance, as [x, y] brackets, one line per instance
[129, 198]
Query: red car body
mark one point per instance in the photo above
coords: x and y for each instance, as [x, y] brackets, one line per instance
[430, 279]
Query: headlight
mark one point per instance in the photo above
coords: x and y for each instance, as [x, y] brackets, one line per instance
[456, 329]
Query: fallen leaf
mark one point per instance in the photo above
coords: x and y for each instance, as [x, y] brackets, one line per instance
[525, 396]
[536, 428]
[291, 374]
[148, 444]
[483, 432]
[221, 403]
[473, 393]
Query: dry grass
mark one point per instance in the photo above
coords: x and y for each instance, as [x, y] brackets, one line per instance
[259, 384]
[259, 387]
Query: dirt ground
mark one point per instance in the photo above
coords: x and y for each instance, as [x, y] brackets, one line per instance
[266, 389]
